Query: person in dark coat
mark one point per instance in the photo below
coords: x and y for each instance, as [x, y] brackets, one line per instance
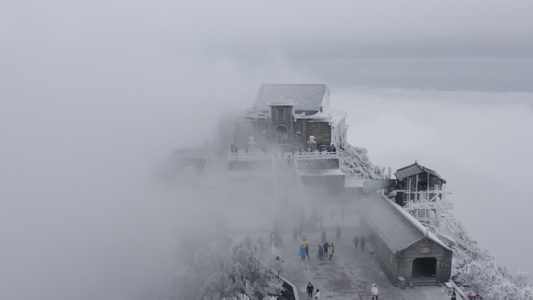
[306, 245]
[363, 241]
[356, 241]
[310, 289]
[326, 248]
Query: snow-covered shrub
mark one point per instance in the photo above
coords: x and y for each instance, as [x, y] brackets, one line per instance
[480, 270]
[241, 273]
[354, 161]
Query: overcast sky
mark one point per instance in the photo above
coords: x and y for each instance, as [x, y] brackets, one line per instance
[94, 94]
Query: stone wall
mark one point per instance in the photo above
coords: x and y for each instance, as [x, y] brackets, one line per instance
[318, 164]
[298, 132]
[402, 263]
[250, 165]
[320, 130]
[323, 183]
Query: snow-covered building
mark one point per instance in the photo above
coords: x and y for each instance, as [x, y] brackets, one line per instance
[289, 122]
[415, 182]
[405, 248]
[422, 192]
[289, 114]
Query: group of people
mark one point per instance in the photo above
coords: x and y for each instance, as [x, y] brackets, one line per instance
[356, 241]
[304, 250]
[313, 147]
[325, 250]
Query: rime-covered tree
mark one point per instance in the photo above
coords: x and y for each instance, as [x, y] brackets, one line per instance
[241, 273]
[479, 269]
[200, 253]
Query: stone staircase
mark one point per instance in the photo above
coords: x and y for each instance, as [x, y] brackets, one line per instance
[426, 281]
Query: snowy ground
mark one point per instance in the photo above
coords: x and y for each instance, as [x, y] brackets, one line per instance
[349, 275]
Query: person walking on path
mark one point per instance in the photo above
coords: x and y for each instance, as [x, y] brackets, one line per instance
[323, 235]
[302, 252]
[306, 245]
[320, 252]
[374, 292]
[326, 249]
[332, 250]
[317, 294]
[338, 232]
[295, 234]
[310, 289]
[356, 241]
[363, 241]
[454, 295]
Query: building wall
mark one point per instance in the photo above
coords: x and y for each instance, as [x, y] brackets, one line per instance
[338, 134]
[426, 248]
[402, 264]
[323, 183]
[423, 183]
[250, 165]
[298, 132]
[307, 164]
[320, 130]
[281, 115]
[387, 260]
[410, 184]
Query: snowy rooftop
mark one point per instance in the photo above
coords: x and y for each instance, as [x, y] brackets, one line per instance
[396, 228]
[306, 97]
[413, 170]
[329, 114]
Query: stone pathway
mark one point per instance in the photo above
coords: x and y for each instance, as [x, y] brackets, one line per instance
[348, 276]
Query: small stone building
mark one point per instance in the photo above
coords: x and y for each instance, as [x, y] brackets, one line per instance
[403, 246]
[289, 114]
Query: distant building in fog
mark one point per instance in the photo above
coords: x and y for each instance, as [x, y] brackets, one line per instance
[289, 114]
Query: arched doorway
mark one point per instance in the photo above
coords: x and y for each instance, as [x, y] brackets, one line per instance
[424, 267]
[282, 134]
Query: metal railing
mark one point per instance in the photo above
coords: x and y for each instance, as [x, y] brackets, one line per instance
[315, 155]
[247, 156]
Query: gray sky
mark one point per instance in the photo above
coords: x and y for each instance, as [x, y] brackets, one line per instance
[94, 94]
[478, 141]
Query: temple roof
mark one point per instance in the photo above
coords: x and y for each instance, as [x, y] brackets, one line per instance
[305, 97]
[414, 169]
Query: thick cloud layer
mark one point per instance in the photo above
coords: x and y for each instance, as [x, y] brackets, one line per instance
[478, 141]
[94, 94]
